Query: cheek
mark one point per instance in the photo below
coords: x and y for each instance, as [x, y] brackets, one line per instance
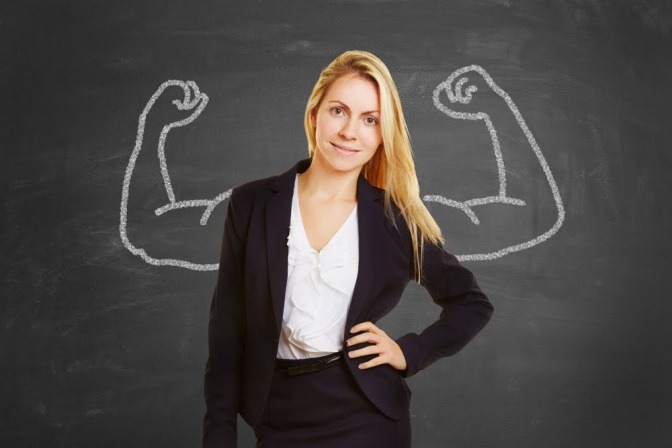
[325, 126]
[374, 138]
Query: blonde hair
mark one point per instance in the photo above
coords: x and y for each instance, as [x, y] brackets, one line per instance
[392, 167]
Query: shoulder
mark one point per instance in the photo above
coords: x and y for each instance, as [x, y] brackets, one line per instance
[247, 193]
[254, 190]
[245, 197]
[401, 227]
[395, 223]
[250, 192]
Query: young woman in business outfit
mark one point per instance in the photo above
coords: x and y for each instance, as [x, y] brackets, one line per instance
[311, 259]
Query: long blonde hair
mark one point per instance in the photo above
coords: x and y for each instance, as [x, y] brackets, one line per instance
[392, 167]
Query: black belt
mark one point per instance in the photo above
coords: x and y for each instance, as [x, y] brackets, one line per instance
[299, 366]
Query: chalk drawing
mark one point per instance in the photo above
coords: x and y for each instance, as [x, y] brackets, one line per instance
[195, 101]
[454, 87]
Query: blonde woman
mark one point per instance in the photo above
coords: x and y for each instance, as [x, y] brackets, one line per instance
[311, 259]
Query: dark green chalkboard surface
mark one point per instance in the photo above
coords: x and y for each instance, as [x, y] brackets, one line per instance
[542, 136]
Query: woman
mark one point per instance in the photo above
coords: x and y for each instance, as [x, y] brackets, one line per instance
[311, 259]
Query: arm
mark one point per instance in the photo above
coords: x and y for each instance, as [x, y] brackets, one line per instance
[465, 311]
[226, 339]
[175, 104]
[469, 93]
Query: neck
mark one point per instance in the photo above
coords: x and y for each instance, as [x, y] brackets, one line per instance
[322, 182]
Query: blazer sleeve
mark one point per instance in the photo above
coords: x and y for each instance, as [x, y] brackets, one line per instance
[465, 310]
[226, 338]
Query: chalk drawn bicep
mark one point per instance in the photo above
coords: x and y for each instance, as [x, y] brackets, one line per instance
[179, 103]
[470, 93]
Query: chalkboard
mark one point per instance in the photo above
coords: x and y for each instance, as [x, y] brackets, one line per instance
[107, 268]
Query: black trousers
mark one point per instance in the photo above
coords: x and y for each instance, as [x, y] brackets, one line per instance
[326, 409]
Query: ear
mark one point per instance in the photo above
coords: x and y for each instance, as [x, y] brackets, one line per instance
[313, 118]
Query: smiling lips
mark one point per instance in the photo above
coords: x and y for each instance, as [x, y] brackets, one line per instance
[344, 150]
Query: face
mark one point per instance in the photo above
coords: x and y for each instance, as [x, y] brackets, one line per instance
[348, 124]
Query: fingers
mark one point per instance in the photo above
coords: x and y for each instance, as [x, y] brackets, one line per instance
[365, 326]
[388, 350]
[370, 333]
[378, 360]
[368, 350]
[377, 349]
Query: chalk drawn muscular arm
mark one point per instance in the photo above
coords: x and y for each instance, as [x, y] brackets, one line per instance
[190, 107]
[465, 90]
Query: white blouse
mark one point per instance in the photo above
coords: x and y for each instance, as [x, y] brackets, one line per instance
[319, 288]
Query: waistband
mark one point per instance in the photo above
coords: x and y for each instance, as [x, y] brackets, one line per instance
[307, 365]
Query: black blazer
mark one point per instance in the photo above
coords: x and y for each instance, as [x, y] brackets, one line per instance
[247, 304]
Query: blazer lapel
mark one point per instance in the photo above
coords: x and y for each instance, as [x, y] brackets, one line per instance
[278, 214]
[370, 218]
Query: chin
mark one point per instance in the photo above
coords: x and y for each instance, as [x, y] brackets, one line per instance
[344, 166]
[339, 163]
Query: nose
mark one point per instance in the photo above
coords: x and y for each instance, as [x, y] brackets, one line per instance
[349, 129]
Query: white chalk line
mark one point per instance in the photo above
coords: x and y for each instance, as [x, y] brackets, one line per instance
[197, 103]
[463, 95]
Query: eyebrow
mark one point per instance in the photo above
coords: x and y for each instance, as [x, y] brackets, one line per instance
[346, 107]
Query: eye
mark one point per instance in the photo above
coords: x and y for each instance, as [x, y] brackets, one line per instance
[371, 121]
[337, 110]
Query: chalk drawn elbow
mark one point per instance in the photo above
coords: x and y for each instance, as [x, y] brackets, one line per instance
[455, 204]
[209, 205]
[467, 206]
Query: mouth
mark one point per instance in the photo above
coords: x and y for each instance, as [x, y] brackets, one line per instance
[344, 149]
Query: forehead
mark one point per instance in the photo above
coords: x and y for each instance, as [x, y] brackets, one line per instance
[355, 91]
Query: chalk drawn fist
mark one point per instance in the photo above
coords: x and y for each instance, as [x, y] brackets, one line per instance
[181, 101]
[467, 94]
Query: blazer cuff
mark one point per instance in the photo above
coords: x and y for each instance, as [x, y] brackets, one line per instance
[410, 347]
